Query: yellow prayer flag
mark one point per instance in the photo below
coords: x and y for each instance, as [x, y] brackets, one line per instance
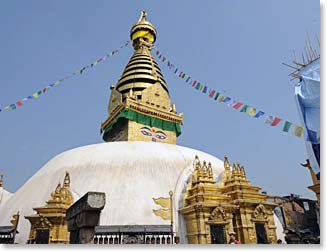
[201, 87]
[298, 131]
[252, 111]
[163, 202]
[7, 108]
[35, 95]
[165, 214]
[221, 98]
[57, 83]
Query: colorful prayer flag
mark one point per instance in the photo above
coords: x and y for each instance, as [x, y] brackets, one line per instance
[227, 99]
[56, 83]
[201, 87]
[198, 86]
[19, 103]
[176, 71]
[13, 106]
[212, 92]
[44, 90]
[35, 95]
[287, 126]
[298, 131]
[157, 52]
[221, 98]
[275, 121]
[237, 105]
[244, 108]
[251, 111]
[217, 95]
[259, 114]
[188, 79]
[269, 120]
[7, 108]
[205, 89]
[194, 83]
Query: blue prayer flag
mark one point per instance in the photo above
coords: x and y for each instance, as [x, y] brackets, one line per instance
[259, 113]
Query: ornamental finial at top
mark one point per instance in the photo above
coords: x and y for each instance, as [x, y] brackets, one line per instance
[143, 15]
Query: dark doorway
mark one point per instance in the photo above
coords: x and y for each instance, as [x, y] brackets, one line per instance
[42, 236]
[261, 233]
[217, 234]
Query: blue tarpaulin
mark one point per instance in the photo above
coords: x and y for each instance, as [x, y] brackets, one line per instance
[307, 95]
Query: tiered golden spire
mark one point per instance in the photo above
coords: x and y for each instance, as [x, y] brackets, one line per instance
[142, 70]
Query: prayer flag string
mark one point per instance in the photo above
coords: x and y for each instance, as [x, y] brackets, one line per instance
[220, 97]
[37, 94]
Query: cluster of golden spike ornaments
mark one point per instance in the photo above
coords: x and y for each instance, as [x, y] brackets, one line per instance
[49, 222]
[233, 204]
[141, 88]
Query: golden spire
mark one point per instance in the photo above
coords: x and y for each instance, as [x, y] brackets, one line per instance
[226, 163]
[66, 181]
[142, 71]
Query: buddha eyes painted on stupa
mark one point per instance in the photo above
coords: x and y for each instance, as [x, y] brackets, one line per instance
[152, 132]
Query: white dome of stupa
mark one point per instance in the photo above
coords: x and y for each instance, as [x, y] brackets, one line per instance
[129, 173]
[4, 196]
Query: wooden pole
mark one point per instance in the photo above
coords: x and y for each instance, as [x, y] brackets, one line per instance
[172, 219]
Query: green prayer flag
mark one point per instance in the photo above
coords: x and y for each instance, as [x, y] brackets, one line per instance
[287, 126]
[244, 108]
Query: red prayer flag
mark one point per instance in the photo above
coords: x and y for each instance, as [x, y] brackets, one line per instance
[237, 105]
[212, 93]
[194, 83]
[180, 74]
[44, 90]
[275, 121]
[19, 103]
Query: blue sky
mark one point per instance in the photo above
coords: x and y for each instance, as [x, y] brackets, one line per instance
[230, 45]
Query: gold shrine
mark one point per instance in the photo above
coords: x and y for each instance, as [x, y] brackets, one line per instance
[212, 210]
[48, 225]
